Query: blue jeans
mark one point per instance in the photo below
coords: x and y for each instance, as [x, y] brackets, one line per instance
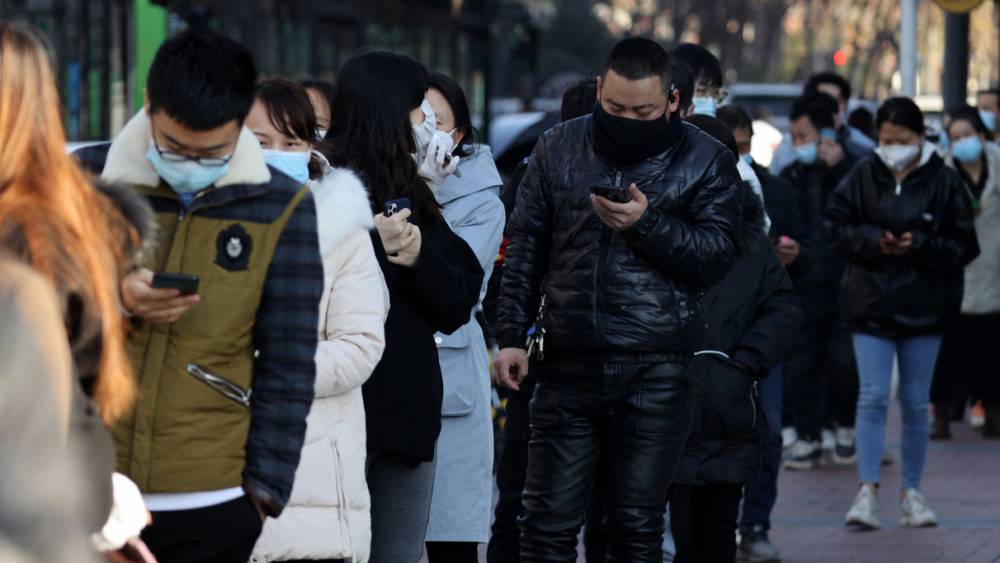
[762, 492]
[917, 357]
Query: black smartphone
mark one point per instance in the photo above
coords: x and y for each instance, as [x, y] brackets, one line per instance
[188, 285]
[395, 206]
[617, 195]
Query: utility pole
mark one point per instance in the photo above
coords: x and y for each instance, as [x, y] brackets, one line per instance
[956, 59]
[908, 49]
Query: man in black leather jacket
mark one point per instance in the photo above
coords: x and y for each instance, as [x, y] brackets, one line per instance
[622, 318]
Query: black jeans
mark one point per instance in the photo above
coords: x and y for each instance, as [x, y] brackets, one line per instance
[625, 418]
[225, 533]
[823, 376]
[762, 492]
[505, 540]
[703, 521]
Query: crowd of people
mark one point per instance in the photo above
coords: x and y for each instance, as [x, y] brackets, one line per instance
[261, 324]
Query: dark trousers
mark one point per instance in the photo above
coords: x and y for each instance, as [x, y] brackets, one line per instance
[452, 552]
[823, 376]
[225, 533]
[762, 492]
[626, 419]
[505, 539]
[703, 521]
[967, 361]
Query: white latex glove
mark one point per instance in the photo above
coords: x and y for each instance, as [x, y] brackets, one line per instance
[128, 516]
[434, 167]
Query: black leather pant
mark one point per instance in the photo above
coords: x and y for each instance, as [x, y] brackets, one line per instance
[624, 418]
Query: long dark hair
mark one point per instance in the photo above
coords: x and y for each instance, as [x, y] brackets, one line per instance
[455, 97]
[370, 130]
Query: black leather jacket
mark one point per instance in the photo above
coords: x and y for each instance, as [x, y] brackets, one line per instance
[919, 293]
[633, 291]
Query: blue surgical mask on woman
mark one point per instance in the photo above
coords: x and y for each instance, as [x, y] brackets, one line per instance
[185, 177]
[704, 105]
[968, 149]
[807, 153]
[295, 164]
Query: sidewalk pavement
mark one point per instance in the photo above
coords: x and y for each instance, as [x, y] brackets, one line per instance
[961, 483]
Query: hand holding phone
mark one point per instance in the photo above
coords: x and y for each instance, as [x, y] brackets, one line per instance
[616, 195]
[151, 304]
[183, 283]
[395, 206]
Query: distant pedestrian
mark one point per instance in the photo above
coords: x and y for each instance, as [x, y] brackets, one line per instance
[904, 222]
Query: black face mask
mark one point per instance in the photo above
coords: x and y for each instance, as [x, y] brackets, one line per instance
[624, 142]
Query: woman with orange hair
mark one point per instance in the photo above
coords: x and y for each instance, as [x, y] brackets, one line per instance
[80, 238]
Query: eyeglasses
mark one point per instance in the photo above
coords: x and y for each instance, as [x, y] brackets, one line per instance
[210, 161]
[720, 94]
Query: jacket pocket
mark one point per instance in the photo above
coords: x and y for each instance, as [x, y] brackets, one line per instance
[458, 372]
[730, 410]
[221, 385]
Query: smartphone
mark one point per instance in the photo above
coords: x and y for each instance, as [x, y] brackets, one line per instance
[395, 206]
[617, 195]
[188, 285]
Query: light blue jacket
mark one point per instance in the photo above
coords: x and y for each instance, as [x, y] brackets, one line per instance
[463, 486]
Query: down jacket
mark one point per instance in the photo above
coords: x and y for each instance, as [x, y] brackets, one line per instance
[631, 291]
[918, 293]
[751, 316]
[328, 515]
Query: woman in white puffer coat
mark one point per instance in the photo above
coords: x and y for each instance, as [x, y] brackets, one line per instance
[328, 515]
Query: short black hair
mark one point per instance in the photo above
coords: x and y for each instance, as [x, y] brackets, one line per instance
[635, 58]
[968, 113]
[455, 96]
[735, 117]
[324, 87]
[863, 120]
[818, 114]
[684, 83]
[820, 99]
[995, 90]
[578, 99]
[704, 65]
[903, 112]
[717, 129]
[828, 77]
[202, 79]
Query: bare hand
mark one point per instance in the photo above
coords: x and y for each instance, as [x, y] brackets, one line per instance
[621, 216]
[830, 152]
[397, 234]
[893, 246]
[787, 250]
[409, 254]
[155, 306]
[511, 367]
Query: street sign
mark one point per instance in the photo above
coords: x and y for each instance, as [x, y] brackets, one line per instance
[958, 6]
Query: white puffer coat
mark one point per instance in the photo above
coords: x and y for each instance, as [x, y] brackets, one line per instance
[328, 516]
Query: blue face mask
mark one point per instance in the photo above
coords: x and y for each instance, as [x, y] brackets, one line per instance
[747, 158]
[704, 105]
[944, 142]
[968, 149]
[185, 177]
[806, 154]
[293, 163]
[989, 119]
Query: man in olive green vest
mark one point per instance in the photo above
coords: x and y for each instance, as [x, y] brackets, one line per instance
[225, 375]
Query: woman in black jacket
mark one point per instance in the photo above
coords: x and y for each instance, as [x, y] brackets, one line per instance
[750, 317]
[379, 121]
[903, 221]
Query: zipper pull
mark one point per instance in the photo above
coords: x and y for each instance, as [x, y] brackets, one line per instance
[618, 178]
[899, 188]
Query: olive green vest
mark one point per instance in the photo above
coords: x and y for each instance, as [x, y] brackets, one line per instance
[189, 427]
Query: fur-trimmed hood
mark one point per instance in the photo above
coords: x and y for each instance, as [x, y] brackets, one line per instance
[127, 164]
[342, 207]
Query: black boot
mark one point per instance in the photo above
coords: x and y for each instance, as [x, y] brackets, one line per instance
[991, 429]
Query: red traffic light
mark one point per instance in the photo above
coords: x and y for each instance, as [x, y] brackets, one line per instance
[840, 58]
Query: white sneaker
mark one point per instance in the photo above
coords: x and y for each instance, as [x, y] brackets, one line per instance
[803, 455]
[828, 440]
[915, 511]
[788, 437]
[846, 452]
[864, 511]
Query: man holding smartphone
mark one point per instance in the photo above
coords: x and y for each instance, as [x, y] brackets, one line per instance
[224, 337]
[622, 318]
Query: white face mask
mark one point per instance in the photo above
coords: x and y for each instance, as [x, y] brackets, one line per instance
[898, 157]
[424, 132]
